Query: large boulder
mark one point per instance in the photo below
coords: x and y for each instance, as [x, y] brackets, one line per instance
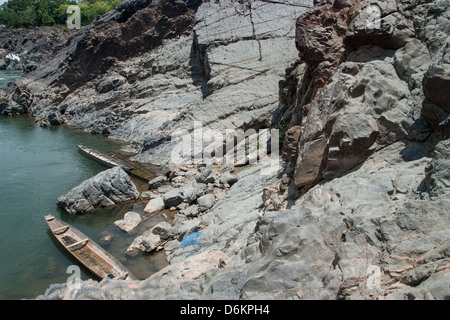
[106, 189]
[364, 106]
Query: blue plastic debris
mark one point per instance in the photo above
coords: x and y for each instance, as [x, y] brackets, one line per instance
[190, 239]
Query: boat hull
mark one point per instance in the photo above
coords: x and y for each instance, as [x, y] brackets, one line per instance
[86, 251]
[104, 158]
[113, 160]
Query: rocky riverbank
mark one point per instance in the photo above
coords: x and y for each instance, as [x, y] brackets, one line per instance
[359, 207]
[31, 47]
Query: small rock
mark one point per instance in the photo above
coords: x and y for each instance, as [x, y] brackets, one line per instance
[228, 179]
[187, 227]
[227, 168]
[182, 206]
[163, 229]
[208, 175]
[106, 238]
[129, 222]
[173, 198]
[147, 195]
[190, 212]
[147, 242]
[193, 190]
[206, 202]
[177, 182]
[157, 182]
[164, 188]
[272, 200]
[154, 205]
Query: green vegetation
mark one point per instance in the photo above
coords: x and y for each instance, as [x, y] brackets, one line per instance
[283, 127]
[33, 13]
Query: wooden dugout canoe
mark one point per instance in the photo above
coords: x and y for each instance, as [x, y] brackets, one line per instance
[113, 160]
[104, 158]
[89, 253]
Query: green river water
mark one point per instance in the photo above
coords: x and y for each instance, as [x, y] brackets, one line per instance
[37, 165]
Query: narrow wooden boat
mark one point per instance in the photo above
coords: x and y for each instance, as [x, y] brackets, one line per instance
[90, 254]
[136, 171]
[114, 160]
[103, 157]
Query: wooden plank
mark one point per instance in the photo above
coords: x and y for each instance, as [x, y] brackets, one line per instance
[77, 243]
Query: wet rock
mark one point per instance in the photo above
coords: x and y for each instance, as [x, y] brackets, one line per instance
[147, 242]
[163, 229]
[106, 189]
[130, 221]
[51, 116]
[17, 99]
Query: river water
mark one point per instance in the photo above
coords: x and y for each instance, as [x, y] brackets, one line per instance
[37, 165]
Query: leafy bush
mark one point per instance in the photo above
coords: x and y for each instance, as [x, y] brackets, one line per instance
[33, 13]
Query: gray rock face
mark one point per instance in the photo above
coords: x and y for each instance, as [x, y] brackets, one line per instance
[437, 79]
[376, 226]
[33, 46]
[370, 234]
[364, 110]
[224, 74]
[336, 243]
[438, 170]
[108, 188]
[356, 91]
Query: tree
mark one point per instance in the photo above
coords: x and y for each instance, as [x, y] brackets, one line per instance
[31, 13]
[29, 17]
